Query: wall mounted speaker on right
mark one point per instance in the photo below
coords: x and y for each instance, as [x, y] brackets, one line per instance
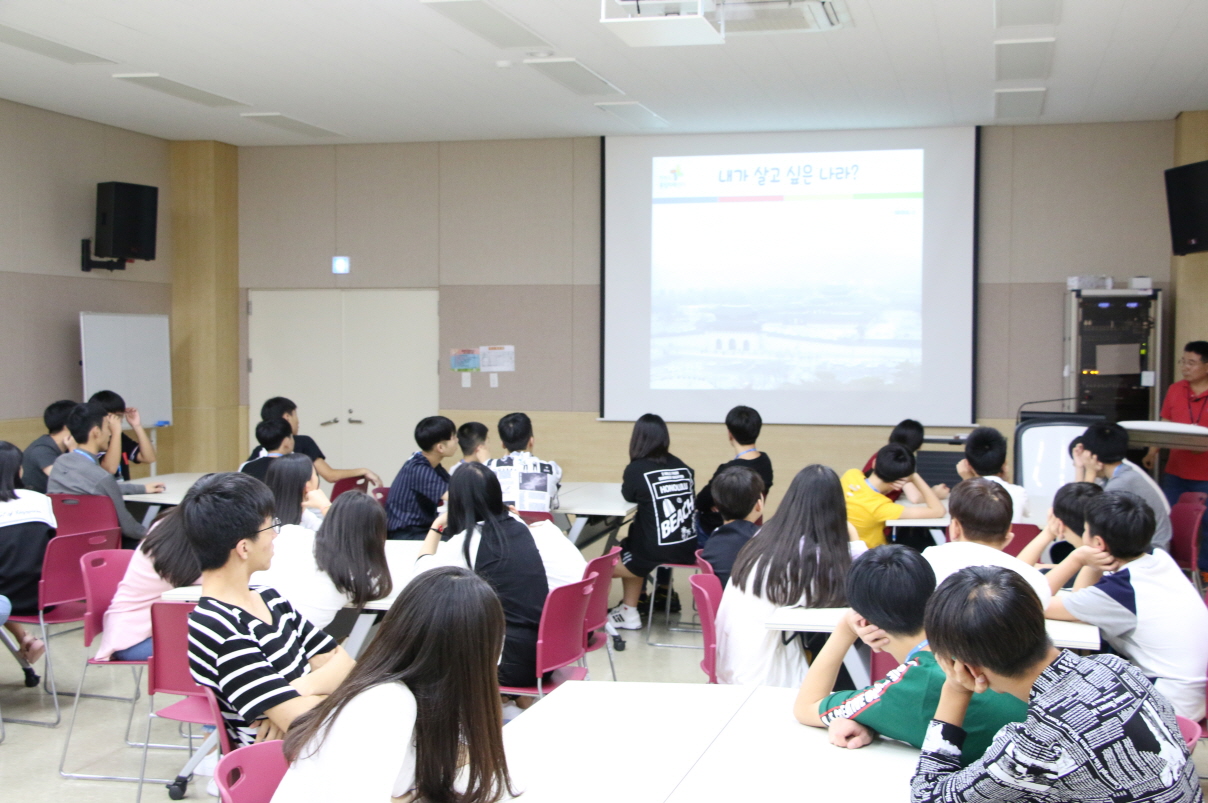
[1187, 203]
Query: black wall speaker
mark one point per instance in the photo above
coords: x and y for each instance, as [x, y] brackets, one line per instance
[1187, 203]
[125, 220]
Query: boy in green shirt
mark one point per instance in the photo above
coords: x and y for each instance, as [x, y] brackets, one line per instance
[888, 588]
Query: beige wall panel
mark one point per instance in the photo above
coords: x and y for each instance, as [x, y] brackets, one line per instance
[1037, 318]
[505, 212]
[387, 214]
[12, 356]
[1090, 199]
[994, 204]
[287, 216]
[536, 319]
[243, 346]
[586, 221]
[994, 350]
[1190, 273]
[21, 432]
[585, 377]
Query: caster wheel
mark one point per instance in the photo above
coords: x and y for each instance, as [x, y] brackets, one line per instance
[618, 644]
[31, 677]
[178, 788]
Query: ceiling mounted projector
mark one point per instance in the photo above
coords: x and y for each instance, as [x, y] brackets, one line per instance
[662, 23]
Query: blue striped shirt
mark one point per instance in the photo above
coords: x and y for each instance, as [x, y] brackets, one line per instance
[415, 493]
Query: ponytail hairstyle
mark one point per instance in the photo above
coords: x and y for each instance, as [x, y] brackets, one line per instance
[287, 477]
[441, 638]
[350, 547]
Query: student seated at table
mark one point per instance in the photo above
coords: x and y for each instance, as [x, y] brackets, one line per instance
[295, 485]
[122, 450]
[868, 507]
[743, 425]
[799, 557]
[980, 530]
[80, 471]
[529, 483]
[986, 457]
[27, 523]
[663, 528]
[738, 496]
[1140, 601]
[1096, 729]
[888, 588]
[281, 407]
[908, 433]
[1065, 524]
[1101, 455]
[265, 663]
[164, 560]
[472, 440]
[40, 455]
[521, 562]
[341, 565]
[275, 441]
[412, 722]
[420, 485]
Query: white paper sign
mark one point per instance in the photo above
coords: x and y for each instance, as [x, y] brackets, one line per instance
[496, 358]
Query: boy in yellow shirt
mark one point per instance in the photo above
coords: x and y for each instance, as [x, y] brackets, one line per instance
[867, 506]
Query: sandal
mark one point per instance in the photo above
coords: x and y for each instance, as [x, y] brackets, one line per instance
[32, 649]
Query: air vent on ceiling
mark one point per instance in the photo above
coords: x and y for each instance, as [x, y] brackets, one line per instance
[278, 120]
[633, 113]
[1018, 103]
[45, 47]
[153, 80]
[783, 16]
[488, 22]
[574, 75]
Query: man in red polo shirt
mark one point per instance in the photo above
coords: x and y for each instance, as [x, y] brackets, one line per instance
[1187, 403]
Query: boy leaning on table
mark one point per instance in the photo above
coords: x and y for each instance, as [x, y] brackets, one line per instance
[888, 588]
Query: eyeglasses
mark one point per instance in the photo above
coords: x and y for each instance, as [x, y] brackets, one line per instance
[275, 527]
[1191, 363]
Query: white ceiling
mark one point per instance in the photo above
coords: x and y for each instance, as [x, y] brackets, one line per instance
[396, 71]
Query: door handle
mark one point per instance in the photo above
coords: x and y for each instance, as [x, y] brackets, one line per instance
[332, 421]
[355, 421]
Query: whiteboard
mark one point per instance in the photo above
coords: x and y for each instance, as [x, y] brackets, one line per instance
[132, 356]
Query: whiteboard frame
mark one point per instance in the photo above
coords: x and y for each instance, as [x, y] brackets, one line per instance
[141, 368]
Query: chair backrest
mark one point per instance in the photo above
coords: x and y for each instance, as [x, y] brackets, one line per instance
[1185, 522]
[103, 571]
[881, 664]
[534, 516]
[705, 566]
[168, 667]
[224, 736]
[381, 493]
[77, 513]
[348, 484]
[62, 581]
[597, 606]
[1193, 498]
[1191, 731]
[251, 774]
[1023, 535]
[560, 633]
[706, 591]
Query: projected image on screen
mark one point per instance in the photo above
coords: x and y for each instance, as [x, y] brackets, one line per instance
[787, 271]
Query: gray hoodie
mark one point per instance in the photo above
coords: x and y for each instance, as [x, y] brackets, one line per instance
[76, 473]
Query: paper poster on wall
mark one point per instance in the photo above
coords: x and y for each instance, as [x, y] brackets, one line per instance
[464, 360]
[497, 358]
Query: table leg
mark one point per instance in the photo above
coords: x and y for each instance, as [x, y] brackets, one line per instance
[152, 512]
[859, 666]
[576, 529]
[360, 631]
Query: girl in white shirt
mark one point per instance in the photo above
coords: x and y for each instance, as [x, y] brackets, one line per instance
[295, 487]
[419, 717]
[799, 557]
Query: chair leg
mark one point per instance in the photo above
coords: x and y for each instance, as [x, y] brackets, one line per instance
[608, 649]
[48, 677]
[142, 769]
[650, 623]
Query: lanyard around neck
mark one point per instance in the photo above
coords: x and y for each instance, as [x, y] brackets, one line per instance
[86, 454]
[748, 451]
[916, 649]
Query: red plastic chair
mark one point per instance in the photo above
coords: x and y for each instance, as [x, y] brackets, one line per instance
[168, 673]
[560, 638]
[702, 565]
[1191, 732]
[1193, 498]
[84, 514]
[707, 591]
[381, 493]
[349, 484]
[881, 665]
[1023, 535]
[251, 774]
[102, 571]
[597, 608]
[1185, 522]
[534, 516]
[62, 587]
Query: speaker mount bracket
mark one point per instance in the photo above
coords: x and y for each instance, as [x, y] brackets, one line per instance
[87, 263]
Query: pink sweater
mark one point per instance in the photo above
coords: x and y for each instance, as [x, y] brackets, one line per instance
[128, 620]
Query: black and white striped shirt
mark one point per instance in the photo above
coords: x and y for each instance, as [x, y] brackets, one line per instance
[248, 663]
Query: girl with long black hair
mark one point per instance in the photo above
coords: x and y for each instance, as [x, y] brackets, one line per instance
[295, 485]
[421, 703]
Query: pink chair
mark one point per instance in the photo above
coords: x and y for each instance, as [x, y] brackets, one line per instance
[597, 608]
[62, 588]
[560, 638]
[1191, 732]
[251, 774]
[702, 565]
[102, 571]
[381, 493]
[534, 516]
[1023, 535]
[76, 513]
[670, 567]
[168, 673]
[882, 664]
[1193, 498]
[707, 591]
[349, 484]
[1185, 522]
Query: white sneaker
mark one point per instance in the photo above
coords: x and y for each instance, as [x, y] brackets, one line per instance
[625, 617]
[208, 764]
[510, 712]
[212, 788]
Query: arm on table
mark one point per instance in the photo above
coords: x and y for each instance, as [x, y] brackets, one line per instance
[933, 509]
[820, 679]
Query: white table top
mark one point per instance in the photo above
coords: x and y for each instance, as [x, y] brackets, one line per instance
[944, 521]
[177, 486]
[1070, 635]
[593, 499]
[1167, 434]
[763, 753]
[555, 748]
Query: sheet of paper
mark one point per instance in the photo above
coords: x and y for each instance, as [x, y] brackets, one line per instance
[494, 379]
[497, 358]
[465, 379]
[464, 360]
